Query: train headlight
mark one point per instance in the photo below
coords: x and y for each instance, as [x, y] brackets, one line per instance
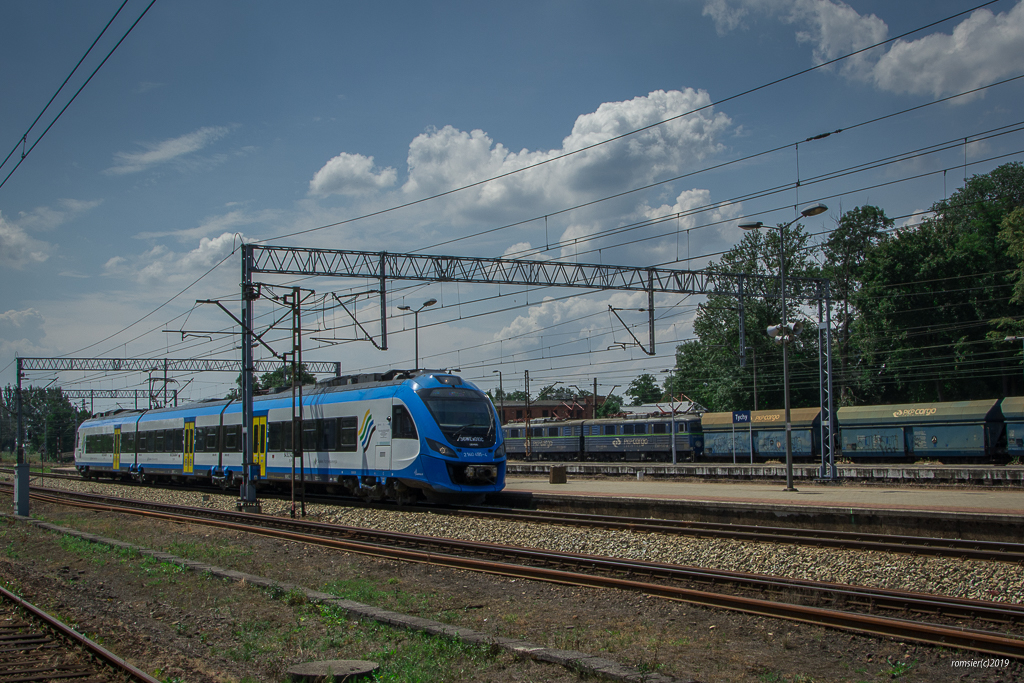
[442, 449]
[499, 452]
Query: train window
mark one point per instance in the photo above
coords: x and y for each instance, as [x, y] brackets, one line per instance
[640, 429]
[327, 434]
[628, 429]
[347, 434]
[128, 442]
[199, 445]
[213, 438]
[609, 429]
[231, 439]
[159, 436]
[309, 435]
[536, 431]
[402, 426]
[658, 428]
[179, 440]
[515, 433]
[552, 431]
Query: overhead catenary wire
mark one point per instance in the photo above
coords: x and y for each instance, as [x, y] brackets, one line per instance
[551, 213]
[25, 154]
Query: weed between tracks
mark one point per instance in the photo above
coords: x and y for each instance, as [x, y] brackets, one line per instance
[241, 634]
[262, 629]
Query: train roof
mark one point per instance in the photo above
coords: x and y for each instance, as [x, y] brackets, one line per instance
[361, 382]
[1012, 407]
[916, 413]
[798, 417]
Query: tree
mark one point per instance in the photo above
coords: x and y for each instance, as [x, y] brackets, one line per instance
[553, 392]
[282, 377]
[644, 389]
[845, 255]
[519, 395]
[611, 405]
[707, 369]
[50, 420]
[934, 294]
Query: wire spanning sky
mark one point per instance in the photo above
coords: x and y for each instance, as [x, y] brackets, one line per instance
[217, 122]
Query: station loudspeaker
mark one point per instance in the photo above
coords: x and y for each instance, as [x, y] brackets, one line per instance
[781, 333]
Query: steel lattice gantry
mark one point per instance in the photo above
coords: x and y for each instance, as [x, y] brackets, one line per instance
[169, 364]
[21, 494]
[384, 266]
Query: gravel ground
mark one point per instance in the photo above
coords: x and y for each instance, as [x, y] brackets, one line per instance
[975, 579]
[195, 629]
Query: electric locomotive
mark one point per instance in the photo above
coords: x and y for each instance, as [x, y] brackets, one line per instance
[400, 435]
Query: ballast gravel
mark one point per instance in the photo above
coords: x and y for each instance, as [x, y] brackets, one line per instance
[975, 579]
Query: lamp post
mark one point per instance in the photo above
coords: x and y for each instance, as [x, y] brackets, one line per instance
[501, 391]
[753, 353]
[416, 324]
[784, 332]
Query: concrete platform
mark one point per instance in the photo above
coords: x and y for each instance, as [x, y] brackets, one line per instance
[900, 473]
[992, 513]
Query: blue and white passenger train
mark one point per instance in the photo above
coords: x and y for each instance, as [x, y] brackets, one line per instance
[399, 435]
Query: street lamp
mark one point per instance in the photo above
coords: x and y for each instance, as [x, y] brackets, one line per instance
[784, 333]
[501, 391]
[416, 319]
[753, 353]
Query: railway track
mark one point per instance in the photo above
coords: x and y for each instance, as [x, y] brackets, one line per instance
[35, 646]
[864, 610]
[821, 538]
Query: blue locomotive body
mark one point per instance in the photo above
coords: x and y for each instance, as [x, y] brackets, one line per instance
[395, 435]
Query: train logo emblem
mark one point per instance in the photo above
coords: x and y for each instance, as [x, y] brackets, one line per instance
[366, 431]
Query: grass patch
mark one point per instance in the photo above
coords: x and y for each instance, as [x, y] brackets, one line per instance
[368, 593]
[407, 656]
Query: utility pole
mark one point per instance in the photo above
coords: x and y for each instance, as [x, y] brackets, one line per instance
[528, 446]
[21, 467]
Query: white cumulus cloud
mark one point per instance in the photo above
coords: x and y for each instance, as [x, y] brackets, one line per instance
[351, 174]
[982, 48]
[445, 159]
[17, 249]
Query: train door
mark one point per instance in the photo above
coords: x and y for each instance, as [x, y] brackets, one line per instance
[189, 461]
[259, 443]
[116, 465]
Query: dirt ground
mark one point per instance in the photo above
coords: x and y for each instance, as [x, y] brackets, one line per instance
[184, 626]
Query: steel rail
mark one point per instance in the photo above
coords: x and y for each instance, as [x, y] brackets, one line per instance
[40, 670]
[981, 641]
[913, 545]
[1000, 551]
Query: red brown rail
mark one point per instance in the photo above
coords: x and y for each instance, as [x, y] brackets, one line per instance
[28, 648]
[438, 552]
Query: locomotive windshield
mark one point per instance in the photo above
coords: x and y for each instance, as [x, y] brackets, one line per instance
[465, 416]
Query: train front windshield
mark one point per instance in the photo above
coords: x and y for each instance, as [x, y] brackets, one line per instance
[465, 416]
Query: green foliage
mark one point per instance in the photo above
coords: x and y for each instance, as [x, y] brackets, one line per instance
[554, 392]
[644, 389]
[50, 420]
[919, 316]
[708, 370]
[932, 294]
[612, 404]
[282, 377]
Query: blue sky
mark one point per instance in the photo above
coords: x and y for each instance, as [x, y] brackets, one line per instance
[216, 122]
